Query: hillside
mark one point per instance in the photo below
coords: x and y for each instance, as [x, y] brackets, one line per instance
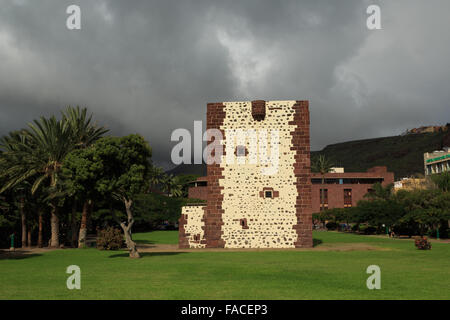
[403, 155]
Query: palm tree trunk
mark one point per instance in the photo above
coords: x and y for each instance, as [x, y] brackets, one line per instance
[29, 238]
[40, 230]
[54, 223]
[74, 223]
[54, 219]
[24, 223]
[83, 225]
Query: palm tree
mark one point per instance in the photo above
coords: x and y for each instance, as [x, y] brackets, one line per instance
[20, 189]
[13, 147]
[172, 186]
[322, 165]
[40, 227]
[39, 154]
[83, 133]
[157, 176]
[40, 205]
[4, 205]
[11, 144]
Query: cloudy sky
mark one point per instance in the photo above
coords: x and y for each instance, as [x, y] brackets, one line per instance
[150, 67]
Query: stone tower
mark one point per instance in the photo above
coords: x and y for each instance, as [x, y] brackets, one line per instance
[252, 202]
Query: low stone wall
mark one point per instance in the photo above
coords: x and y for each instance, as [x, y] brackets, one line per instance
[191, 227]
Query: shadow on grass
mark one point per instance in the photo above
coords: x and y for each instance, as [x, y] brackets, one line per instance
[146, 254]
[316, 242]
[17, 255]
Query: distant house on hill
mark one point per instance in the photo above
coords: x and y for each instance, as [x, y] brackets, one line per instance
[437, 161]
[410, 184]
[427, 129]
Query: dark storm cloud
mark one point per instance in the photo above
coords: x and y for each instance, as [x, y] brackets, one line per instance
[151, 66]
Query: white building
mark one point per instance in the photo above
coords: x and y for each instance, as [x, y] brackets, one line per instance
[437, 161]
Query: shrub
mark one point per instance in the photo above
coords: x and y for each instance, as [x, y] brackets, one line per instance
[370, 230]
[422, 243]
[365, 229]
[331, 225]
[110, 239]
[362, 228]
[444, 232]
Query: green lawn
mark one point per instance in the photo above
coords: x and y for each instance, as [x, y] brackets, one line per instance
[156, 237]
[406, 273]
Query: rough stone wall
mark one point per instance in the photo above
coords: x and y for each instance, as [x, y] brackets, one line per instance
[191, 227]
[302, 170]
[270, 222]
[212, 219]
[238, 215]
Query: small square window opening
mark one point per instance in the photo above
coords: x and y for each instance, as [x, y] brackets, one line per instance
[268, 194]
[240, 151]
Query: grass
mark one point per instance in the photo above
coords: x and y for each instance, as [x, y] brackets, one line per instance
[156, 237]
[406, 273]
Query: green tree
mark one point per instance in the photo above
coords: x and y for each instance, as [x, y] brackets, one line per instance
[378, 212]
[172, 185]
[4, 205]
[8, 218]
[81, 172]
[125, 173]
[39, 156]
[442, 181]
[151, 210]
[184, 180]
[380, 192]
[11, 145]
[29, 207]
[157, 177]
[36, 155]
[427, 208]
[83, 133]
